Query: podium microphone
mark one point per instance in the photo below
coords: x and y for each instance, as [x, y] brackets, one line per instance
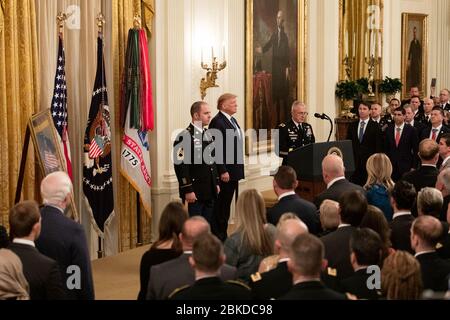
[323, 116]
[320, 116]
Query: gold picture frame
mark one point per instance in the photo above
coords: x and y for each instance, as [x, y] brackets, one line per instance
[261, 25]
[414, 52]
[48, 150]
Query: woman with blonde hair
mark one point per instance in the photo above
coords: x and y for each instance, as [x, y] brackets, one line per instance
[379, 183]
[13, 285]
[254, 237]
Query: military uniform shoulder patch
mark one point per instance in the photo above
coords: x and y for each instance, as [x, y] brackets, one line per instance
[180, 154]
[238, 283]
[256, 277]
[282, 125]
[178, 290]
[332, 272]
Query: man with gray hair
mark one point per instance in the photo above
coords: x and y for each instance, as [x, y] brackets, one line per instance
[277, 282]
[296, 132]
[429, 202]
[64, 240]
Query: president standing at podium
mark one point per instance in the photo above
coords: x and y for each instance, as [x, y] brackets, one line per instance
[296, 132]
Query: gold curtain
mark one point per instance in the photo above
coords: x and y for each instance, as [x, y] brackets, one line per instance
[19, 97]
[123, 12]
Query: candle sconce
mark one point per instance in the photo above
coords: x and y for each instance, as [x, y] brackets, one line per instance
[372, 62]
[211, 74]
[348, 64]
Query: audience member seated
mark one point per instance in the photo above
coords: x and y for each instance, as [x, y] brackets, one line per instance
[426, 174]
[374, 219]
[175, 273]
[63, 239]
[206, 260]
[42, 273]
[379, 183]
[13, 285]
[352, 207]
[333, 173]
[4, 240]
[429, 202]
[443, 185]
[402, 198]
[329, 216]
[284, 184]
[306, 260]
[425, 234]
[365, 248]
[400, 277]
[254, 237]
[277, 282]
[168, 245]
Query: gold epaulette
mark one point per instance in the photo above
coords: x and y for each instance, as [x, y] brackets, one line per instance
[174, 292]
[238, 283]
[332, 272]
[256, 277]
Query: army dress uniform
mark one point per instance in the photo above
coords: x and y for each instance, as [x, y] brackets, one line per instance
[196, 173]
[292, 137]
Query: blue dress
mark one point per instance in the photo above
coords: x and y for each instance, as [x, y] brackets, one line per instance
[378, 196]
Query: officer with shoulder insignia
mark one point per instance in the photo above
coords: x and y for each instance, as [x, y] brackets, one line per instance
[195, 168]
[296, 132]
[206, 260]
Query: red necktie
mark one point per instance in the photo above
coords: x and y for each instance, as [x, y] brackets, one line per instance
[433, 136]
[397, 137]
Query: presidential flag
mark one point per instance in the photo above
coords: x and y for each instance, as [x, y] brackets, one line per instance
[97, 170]
[137, 117]
[58, 108]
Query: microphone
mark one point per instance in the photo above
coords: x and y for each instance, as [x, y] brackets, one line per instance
[321, 116]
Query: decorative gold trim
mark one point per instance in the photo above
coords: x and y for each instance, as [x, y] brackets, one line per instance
[2, 14]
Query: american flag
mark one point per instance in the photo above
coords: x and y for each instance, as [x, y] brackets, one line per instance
[58, 108]
[96, 147]
[50, 161]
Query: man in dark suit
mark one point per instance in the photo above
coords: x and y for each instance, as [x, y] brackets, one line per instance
[42, 273]
[425, 234]
[444, 151]
[427, 173]
[444, 99]
[409, 119]
[277, 282]
[175, 273]
[365, 248]
[402, 197]
[284, 184]
[352, 208]
[306, 260]
[437, 128]
[366, 137]
[61, 238]
[333, 173]
[389, 115]
[401, 145]
[413, 92]
[206, 260]
[296, 132]
[428, 105]
[196, 169]
[231, 162]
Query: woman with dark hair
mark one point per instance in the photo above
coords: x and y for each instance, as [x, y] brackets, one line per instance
[168, 245]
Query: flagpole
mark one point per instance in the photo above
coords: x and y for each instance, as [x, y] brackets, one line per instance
[138, 215]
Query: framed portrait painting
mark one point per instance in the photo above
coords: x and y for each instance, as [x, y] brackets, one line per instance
[414, 52]
[275, 62]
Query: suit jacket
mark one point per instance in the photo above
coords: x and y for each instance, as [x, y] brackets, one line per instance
[305, 210]
[443, 247]
[356, 284]
[446, 106]
[400, 236]
[336, 190]
[235, 165]
[435, 271]
[213, 289]
[64, 240]
[404, 156]
[41, 272]
[370, 144]
[419, 126]
[425, 176]
[194, 172]
[271, 284]
[426, 133]
[175, 273]
[337, 251]
[312, 290]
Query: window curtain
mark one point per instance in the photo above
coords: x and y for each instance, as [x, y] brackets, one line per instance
[19, 70]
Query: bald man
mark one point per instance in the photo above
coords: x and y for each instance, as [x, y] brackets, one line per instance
[62, 239]
[333, 173]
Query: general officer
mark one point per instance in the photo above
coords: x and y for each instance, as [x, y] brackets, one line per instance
[296, 132]
[195, 168]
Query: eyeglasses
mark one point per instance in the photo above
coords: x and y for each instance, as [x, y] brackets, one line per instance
[303, 113]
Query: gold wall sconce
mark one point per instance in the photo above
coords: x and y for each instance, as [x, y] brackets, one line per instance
[211, 72]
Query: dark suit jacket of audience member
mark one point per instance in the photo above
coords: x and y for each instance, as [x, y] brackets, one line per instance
[404, 156]
[434, 271]
[336, 190]
[312, 290]
[305, 210]
[371, 143]
[176, 273]
[41, 272]
[337, 251]
[4, 240]
[443, 247]
[213, 288]
[427, 131]
[356, 284]
[150, 258]
[400, 236]
[64, 240]
[425, 176]
[272, 284]
[420, 127]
